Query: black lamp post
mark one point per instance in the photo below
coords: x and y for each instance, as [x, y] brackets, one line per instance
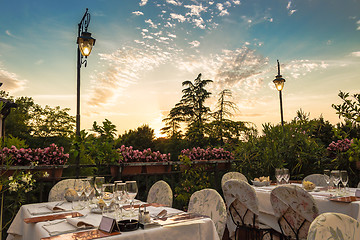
[279, 84]
[85, 43]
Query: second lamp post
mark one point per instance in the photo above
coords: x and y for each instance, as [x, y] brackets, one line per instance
[279, 84]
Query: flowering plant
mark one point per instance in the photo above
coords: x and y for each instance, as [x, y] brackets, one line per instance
[207, 154]
[340, 146]
[128, 154]
[51, 155]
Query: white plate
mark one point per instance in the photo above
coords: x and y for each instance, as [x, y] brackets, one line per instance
[260, 184]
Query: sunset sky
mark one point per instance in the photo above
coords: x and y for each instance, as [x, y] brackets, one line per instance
[145, 49]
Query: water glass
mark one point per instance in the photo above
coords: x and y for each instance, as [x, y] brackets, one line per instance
[77, 203]
[108, 195]
[327, 177]
[131, 192]
[88, 189]
[286, 175]
[99, 181]
[120, 198]
[344, 177]
[335, 174]
[278, 175]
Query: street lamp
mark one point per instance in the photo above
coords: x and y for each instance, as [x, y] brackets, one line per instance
[279, 84]
[85, 43]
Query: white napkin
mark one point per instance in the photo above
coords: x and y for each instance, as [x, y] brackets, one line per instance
[47, 208]
[69, 225]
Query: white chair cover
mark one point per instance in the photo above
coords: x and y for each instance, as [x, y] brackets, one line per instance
[242, 197]
[160, 192]
[209, 202]
[317, 179]
[232, 175]
[57, 192]
[297, 206]
[334, 226]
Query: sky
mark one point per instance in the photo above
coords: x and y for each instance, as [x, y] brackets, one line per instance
[145, 49]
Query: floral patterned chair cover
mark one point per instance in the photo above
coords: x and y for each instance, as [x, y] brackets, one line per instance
[57, 192]
[232, 175]
[160, 192]
[358, 186]
[317, 179]
[210, 203]
[334, 226]
[294, 209]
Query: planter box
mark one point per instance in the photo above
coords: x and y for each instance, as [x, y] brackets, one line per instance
[54, 171]
[158, 169]
[131, 170]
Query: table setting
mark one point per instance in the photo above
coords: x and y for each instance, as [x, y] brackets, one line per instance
[85, 215]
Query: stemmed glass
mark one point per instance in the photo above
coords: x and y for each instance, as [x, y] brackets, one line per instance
[344, 178]
[99, 181]
[131, 191]
[120, 197]
[278, 175]
[327, 177]
[79, 189]
[108, 195]
[88, 189]
[335, 174]
[286, 175]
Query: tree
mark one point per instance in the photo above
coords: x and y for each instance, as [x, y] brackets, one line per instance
[349, 109]
[140, 138]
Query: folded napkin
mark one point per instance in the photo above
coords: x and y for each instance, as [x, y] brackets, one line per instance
[47, 208]
[69, 225]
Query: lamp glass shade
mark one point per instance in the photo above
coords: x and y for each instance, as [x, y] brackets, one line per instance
[86, 42]
[279, 83]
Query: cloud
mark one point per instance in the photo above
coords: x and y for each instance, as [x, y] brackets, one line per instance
[298, 68]
[11, 82]
[178, 17]
[138, 13]
[288, 7]
[124, 68]
[358, 23]
[143, 2]
[355, 54]
[150, 22]
[194, 43]
[236, 2]
[222, 10]
[174, 2]
[172, 35]
[9, 33]
[195, 10]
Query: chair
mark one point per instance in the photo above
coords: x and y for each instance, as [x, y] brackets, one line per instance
[358, 186]
[294, 209]
[57, 192]
[232, 175]
[242, 207]
[317, 179]
[209, 202]
[334, 226]
[160, 192]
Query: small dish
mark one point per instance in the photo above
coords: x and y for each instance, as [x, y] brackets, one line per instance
[260, 184]
[128, 225]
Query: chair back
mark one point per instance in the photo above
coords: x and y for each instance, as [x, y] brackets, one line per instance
[334, 226]
[242, 205]
[232, 175]
[209, 202]
[358, 186]
[160, 192]
[57, 192]
[294, 209]
[317, 179]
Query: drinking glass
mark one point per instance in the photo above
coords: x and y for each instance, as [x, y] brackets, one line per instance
[108, 195]
[88, 189]
[335, 174]
[79, 189]
[327, 177]
[131, 191]
[120, 198]
[286, 175]
[278, 175]
[99, 181]
[344, 178]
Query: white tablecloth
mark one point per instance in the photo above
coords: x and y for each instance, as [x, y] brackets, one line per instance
[321, 198]
[195, 229]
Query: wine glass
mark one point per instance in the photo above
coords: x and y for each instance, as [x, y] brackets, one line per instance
[327, 177]
[131, 191]
[335, 174]
[286, 175]
[278, 175]
[120, 197]
[88, 189]
[108, 194]
[99, 181]
[344, 178]
[79, 189]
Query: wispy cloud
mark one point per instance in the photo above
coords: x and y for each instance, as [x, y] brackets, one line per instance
[137, 13]
[355, 54]
[288, 7]
[174, 2]
[151, 24]
[178, 17]
[194, 43]
[298, 68]
[11, 81]
[358, 23]
[9, 33]
[143, 2]
[195, 10]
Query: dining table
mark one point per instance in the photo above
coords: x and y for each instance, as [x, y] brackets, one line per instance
[42, 221]
[326, 201]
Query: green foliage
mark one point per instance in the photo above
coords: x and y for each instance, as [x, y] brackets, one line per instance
[13, 141]
[192, 179]
[140, 138]
[348, 109]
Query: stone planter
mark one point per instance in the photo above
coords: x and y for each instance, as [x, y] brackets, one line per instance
[131, 170]
[114, 170]
[153, 169]
[54, 171]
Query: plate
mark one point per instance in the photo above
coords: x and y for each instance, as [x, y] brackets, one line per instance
[260, 184]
